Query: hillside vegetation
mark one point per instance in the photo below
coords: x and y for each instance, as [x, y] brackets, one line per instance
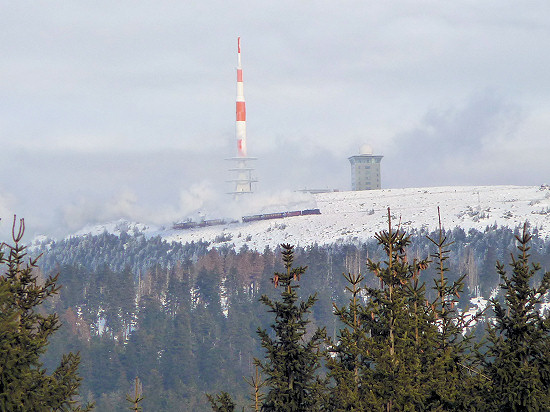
[184, 318]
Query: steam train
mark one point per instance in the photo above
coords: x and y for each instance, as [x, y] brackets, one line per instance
[245, 219]
[280, 215]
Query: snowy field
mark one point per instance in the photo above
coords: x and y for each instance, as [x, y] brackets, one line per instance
[351, 217]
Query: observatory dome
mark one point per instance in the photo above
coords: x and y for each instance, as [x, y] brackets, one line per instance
[365, 150]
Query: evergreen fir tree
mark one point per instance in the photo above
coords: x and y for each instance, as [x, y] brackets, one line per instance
[24, 334]
[400, 328]
[349, 357]
[221, 403]
[517, 359]
[292, 359]
[456, 378]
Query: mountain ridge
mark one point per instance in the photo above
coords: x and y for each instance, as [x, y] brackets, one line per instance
[354, 216]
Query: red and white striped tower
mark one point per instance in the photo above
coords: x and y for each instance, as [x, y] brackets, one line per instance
[241, 106]
[243, 172]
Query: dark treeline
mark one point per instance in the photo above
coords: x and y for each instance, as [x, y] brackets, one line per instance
[119, 252]
[184, 318]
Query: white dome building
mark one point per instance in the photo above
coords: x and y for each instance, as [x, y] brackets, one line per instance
[365, 150]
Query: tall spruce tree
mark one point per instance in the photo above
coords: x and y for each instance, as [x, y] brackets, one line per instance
[517, 359]
[24, 334]
[349, 357]
[400, 328]
[456, 379]
[292, 363]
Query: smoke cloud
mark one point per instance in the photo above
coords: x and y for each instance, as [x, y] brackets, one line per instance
[197, 203]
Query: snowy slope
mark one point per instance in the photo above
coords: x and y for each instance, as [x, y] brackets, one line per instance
[350, 217]
[356, 216]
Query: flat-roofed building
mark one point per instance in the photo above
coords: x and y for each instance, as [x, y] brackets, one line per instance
[365, 170]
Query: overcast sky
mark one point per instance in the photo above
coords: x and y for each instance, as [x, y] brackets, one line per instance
[125, 109]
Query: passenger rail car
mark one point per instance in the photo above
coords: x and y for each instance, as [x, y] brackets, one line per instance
[245, 219]
[280, 215]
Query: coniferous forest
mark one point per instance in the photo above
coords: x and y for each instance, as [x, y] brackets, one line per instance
[377, 326]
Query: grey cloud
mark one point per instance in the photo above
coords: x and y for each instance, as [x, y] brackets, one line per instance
[451, 145]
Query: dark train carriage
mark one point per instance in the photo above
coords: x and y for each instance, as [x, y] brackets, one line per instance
[252, 218]
[311, 212]
[185, 225]
[214, 222]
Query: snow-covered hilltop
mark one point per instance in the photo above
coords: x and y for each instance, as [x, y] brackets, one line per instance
[355, 216]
